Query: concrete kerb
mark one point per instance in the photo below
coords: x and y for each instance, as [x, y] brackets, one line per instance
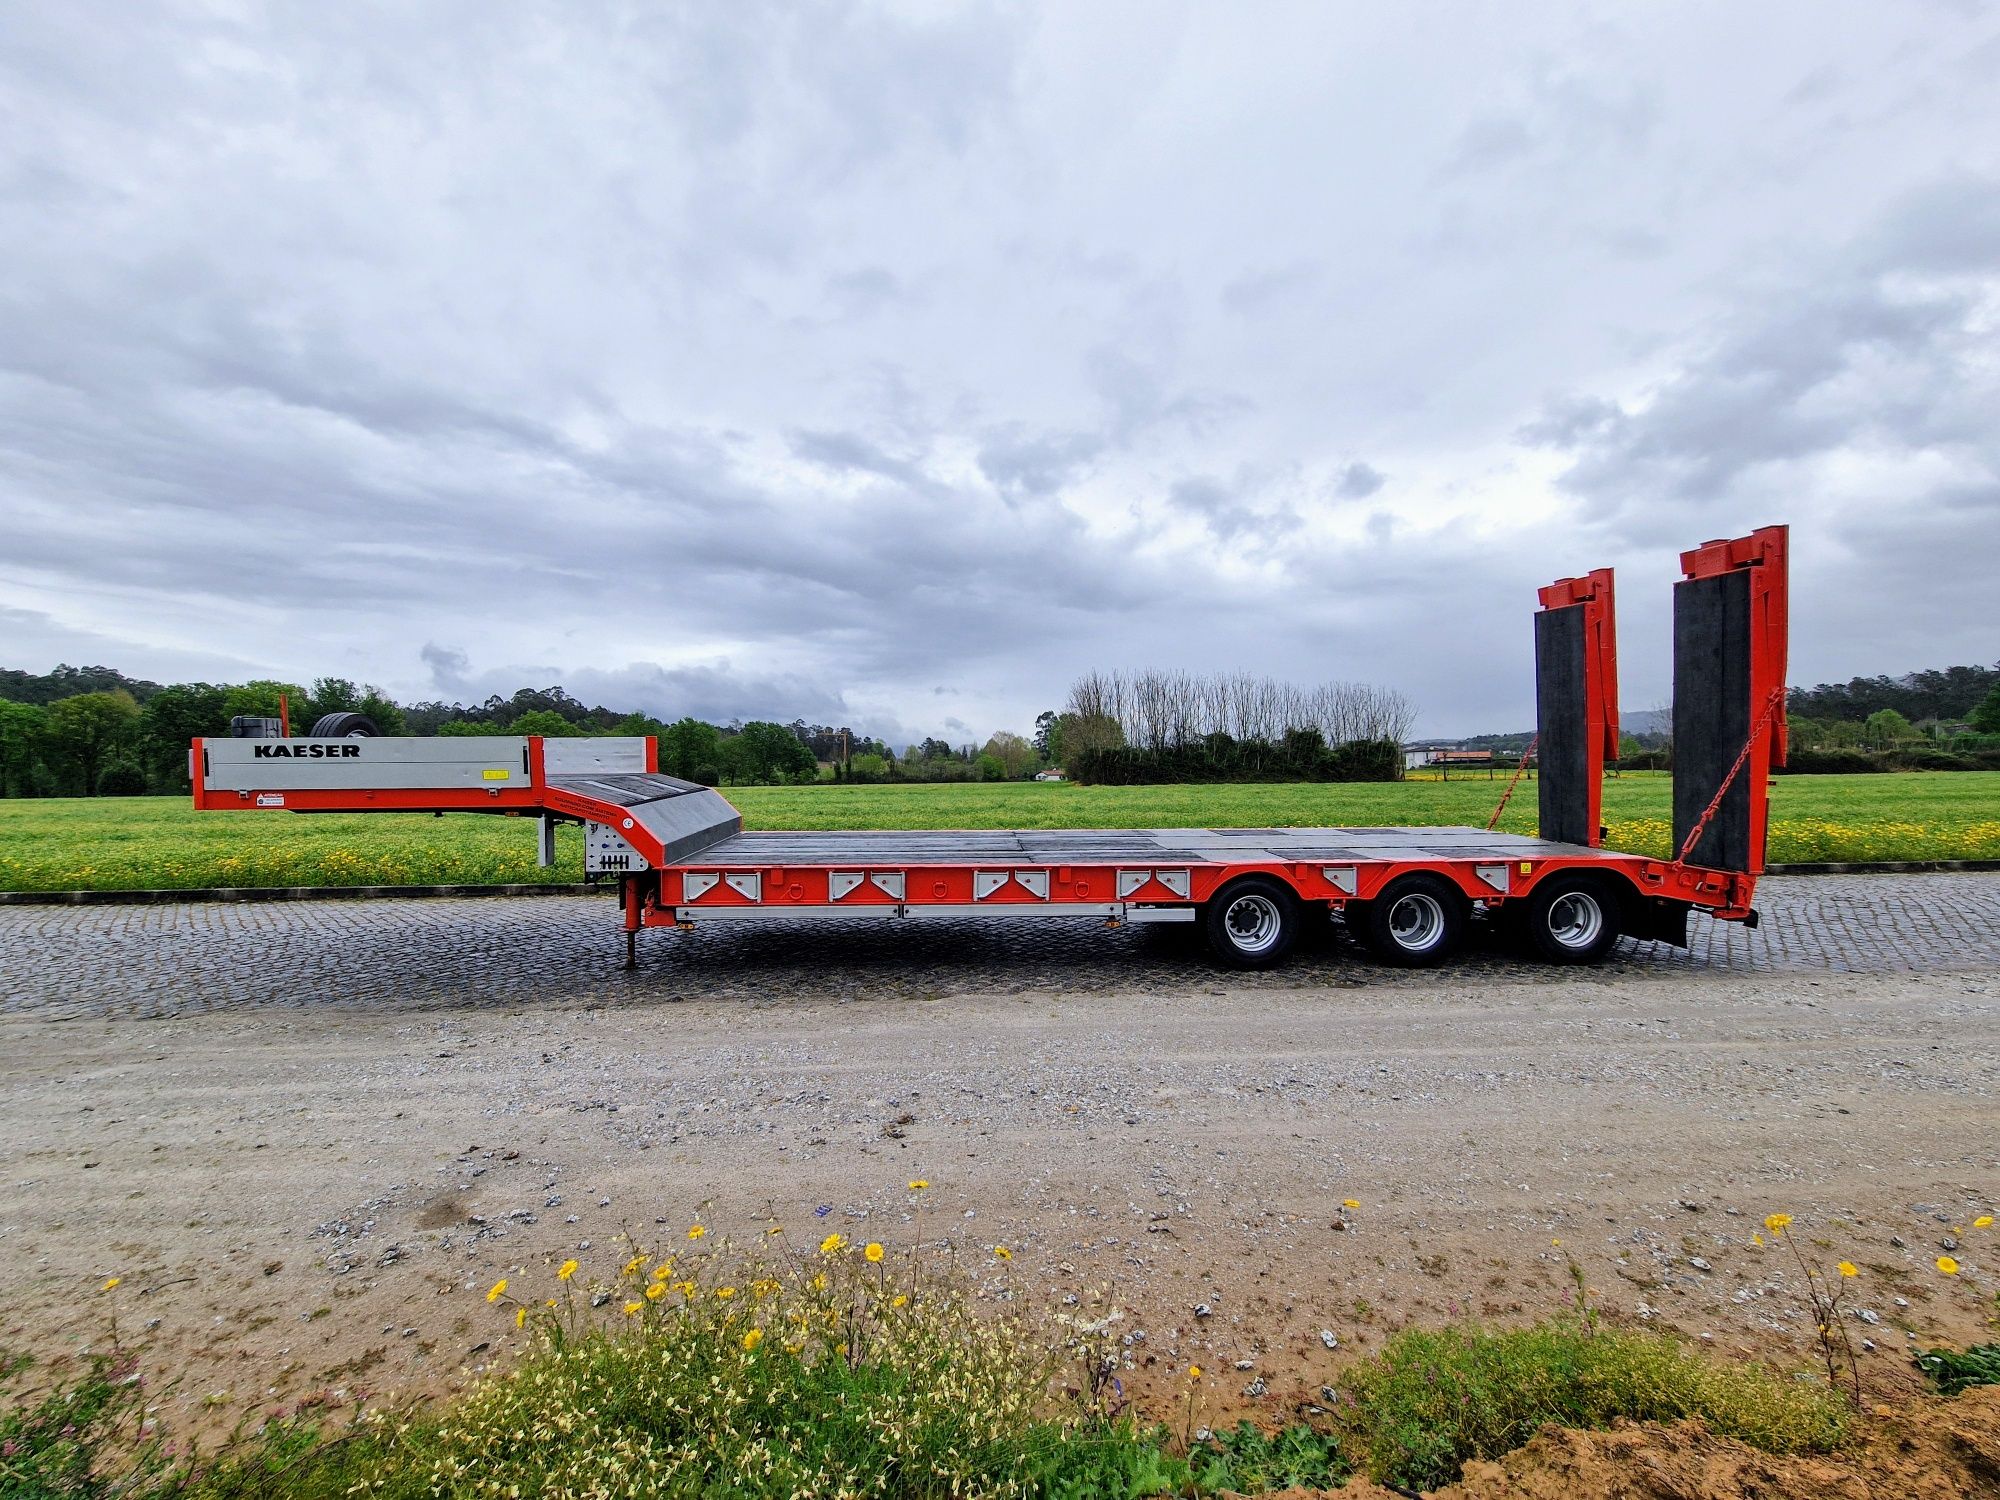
[413, 892]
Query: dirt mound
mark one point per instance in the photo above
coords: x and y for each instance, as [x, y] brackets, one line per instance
[1928, 1450]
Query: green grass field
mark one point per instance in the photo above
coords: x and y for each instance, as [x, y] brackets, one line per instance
[158, 843]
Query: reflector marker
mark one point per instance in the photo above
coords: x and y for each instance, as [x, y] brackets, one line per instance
[1492, 875]
[698, 883]
[751, 886]
[1175, 881]
[1343, 878]
[889, 883]
[842, 883]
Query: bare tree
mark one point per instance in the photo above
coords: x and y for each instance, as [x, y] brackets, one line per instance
[1157, 710]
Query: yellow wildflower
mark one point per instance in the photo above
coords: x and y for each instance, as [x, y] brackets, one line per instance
[686, 1288]
[664, 1271]
[696, 1232]
[1350, 1203]
[1757, 1239]
[656, 1291]
[899, 1300]
[1003, 1252]
[724, 1293]
[873, 1253]
[1947, 1265]
[752, 1339]
[110, 1282]
[566, 1270]
[1848, 1268]
[818, 1283]
[498, 1291]
[1194, 1372]
[633, 1307]
[1776, 1222]
[833, 1244]
[633, 1265]
[1984, 1221]
[520, 1316]
[917, 1184]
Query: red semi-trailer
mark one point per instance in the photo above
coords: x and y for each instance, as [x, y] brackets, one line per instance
[682, 857]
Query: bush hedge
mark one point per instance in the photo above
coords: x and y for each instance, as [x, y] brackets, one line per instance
[1302, 755]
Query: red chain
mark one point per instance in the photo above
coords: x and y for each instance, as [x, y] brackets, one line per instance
[1519, 766]
[1742, 758]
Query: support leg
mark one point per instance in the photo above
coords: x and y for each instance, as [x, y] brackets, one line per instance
[628, 899]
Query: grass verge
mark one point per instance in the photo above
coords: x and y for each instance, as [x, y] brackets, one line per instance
[846, 1370]
[161, 843]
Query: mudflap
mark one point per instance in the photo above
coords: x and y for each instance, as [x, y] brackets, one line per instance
[1660, 921]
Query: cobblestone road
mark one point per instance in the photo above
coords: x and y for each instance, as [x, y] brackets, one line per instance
[153, 961]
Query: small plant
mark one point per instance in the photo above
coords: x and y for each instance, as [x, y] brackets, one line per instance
[1432, 1399]
[1826, 1293]
[1954, 1371]
[1246, 1460]
[86, 1435]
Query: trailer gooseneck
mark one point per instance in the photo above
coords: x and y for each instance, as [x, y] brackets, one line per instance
[682, 857]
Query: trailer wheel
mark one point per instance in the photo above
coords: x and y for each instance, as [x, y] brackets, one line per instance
[1572, 919]
[1251, 923]
[1418, 920]
[346, 726]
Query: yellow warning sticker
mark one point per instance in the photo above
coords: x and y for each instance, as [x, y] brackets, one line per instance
[496, 775]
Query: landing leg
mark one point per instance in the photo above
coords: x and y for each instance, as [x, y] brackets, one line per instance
[628, 899]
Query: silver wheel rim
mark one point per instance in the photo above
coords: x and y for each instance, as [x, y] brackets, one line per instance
[1416, 922]
[1575, 919]
[1253, 923]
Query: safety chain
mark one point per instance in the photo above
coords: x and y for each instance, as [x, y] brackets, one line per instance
[1742, 758]
[1519, 766]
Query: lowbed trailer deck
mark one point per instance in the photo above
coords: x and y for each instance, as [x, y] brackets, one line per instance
[682, 857]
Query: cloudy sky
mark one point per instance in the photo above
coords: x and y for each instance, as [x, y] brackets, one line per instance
[893, 364]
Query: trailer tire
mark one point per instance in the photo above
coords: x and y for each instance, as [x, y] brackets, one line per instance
[1251, 923]
[343, 726]
[1416, 921]
[1572, 919]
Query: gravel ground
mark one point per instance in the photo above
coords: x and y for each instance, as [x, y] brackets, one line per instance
[308, 1136]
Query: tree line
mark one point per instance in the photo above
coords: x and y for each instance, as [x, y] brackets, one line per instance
[1944, 696]
[89, 731]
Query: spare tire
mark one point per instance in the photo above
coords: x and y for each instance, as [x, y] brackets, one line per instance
[343, 727]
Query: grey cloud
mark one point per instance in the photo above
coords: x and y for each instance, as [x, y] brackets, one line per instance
[1871, 355]
[835, 353]
[1019, 462]
[1358, 481]
[448, 667]
[1261, 291]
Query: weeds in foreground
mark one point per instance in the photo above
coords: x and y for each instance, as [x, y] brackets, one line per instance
[842, 1369]
[1956, 1371]
[1433, 1399]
